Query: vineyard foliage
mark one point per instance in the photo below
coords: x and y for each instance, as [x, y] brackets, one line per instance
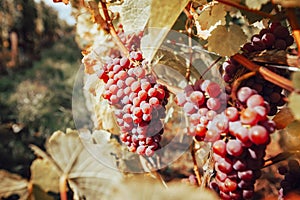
[188, 99]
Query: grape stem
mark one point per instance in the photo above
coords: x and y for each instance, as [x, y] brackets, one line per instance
[63, 187]
[242, 7]
[237, 82]
[266, 74]
[112, 31]
[278, 158]
[291, 15]
[196, 168]
[212, 65]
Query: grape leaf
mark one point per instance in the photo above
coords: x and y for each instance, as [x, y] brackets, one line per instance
[283, 118]
[48, 182]
[287, 3]
[226, 42]
[13, 184]
[212, 14]
[154, 190]
[296, 80]
[293, 128]
[134, 15]
[86, 176]
[39, 193]
[256, 4]
[294, 105]
[163, 15]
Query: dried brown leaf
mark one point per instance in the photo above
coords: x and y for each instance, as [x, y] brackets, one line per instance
[283, 118]
[13, 184]
[226, 42]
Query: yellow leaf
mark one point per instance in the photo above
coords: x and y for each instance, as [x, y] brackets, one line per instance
[47, 181]
[293, 128]
[86, 175]
[256, 4]
[296, 80]
[212, 14]
[134, 15]
[154, 190]
[226, 42]
[294, 105]
[163, 15]
[13, 184]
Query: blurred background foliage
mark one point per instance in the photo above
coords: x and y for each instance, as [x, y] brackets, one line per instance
[36, 93]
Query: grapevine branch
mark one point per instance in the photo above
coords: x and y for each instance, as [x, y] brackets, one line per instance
[266, 74]
[278, 158]
[242, 7]
[291, 15]
[112, 31]
[196, 168]
[237, 83]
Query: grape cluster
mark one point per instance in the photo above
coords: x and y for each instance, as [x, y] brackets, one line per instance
[275, 36]
[131, 41]
[201, 103]
[239, 153]
[139, 102]
[291, 181]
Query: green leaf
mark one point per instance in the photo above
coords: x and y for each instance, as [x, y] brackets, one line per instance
[163, 15]
[134, 15]
[296, 80]
[226, 42]
[256, 4]
[294, 105]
